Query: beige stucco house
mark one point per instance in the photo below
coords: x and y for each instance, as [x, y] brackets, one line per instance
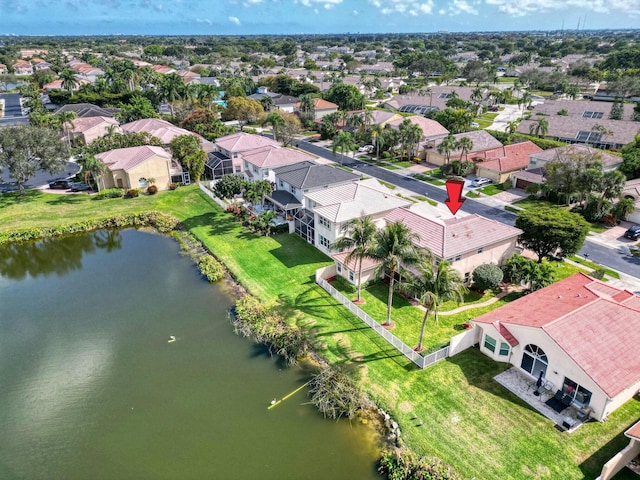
[86, 130]
[259, 164]
[226, 157]
[480, 139]
[500, 163]
[541, 158]
[580, 334]
[135, 167]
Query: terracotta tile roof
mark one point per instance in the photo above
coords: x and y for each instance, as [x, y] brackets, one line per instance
[454, 236]
[481, 141]
[506, 334]
[320, 104]
[162, 129]
[273, 156]
[580, 314]
[367, 263]
[506, 158]
[634, 431]
[430, 128]
[128, 158]
[82, 124]
[242, 141]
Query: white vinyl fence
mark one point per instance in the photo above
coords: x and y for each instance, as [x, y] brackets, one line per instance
[407, 351]
[211, 195]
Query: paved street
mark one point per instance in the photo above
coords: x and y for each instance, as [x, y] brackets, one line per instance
[599, 250]
[12, 109]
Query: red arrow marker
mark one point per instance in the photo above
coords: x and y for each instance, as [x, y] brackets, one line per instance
[455, 200]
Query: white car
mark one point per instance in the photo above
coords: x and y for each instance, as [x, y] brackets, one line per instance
[475, 124]
[366, 149]
[481, 181]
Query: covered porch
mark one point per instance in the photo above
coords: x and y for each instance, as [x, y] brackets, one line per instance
[284, 203]
[567, 417]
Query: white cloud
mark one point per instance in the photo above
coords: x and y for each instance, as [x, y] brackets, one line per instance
[327, 4]
[234, 20]
[405, 7]
[204, 20]
[251, 3]
[355, 13]
[521, 8]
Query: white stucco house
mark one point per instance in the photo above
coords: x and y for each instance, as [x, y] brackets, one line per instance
[581, 334]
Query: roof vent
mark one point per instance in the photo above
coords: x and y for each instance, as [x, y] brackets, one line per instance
[559, 296]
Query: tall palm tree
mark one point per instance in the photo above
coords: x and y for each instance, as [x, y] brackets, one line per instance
[91, 168]
[65, 119]
[539, 128]
[432, 287]
[342, 141]
[276, 121]
[376, 135]
[465, 145]
[358, 238]
[410, 134]
[69, 80]
[394, 247]
[447, 146]
[512, 126]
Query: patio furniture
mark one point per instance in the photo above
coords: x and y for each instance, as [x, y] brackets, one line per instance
[558, 401]
[567, 400]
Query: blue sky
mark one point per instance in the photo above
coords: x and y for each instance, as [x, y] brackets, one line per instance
[241, 17]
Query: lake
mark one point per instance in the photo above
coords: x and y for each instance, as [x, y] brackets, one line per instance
[90, 387]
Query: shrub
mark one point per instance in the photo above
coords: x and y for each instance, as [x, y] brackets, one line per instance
[229, 185]
[487, 277]
[403, 464]
[173, 186]
[335, 394]
[132, 193]
[598, 274]
[564, 112]
[109, 193]
[152, 189]
[416, 160]
[210, 268]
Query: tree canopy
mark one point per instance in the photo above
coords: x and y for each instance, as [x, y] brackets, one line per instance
[25, 149]
[551, 231]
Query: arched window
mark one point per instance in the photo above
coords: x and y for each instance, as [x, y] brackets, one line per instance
[534, 360]
[142, 182]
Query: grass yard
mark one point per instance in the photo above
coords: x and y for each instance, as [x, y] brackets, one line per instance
[595, 266]
[390, 186]
[466, 418]
[492, 189]
[472, 195]
[533, 202]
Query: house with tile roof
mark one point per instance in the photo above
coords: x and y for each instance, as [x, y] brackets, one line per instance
[286, 103]
[480, 139]
[629, 456]
[226, 155]
[431, 130]
[3, 69]
[134, 167]
[541, 158]
[466, 242]
[165, 131]
[327, 210]
[83, 131]
[259, 164]
[87, 110]
[580, 334]
[22, 67]
[320, 108]
[500, 163]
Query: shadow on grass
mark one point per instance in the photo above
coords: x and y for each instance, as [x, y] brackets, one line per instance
[218, 223]
[11, 198]
[592, 466]
[66, 199]
[294, 251]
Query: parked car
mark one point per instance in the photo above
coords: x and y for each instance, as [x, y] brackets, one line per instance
[481, 182]
[633, 233]
[494, 109]
[475, 124]
[61, 183]
[80, 187]
[366, 149]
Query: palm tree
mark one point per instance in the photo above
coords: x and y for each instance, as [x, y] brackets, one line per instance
[432, 287]
[447, 145]
[539, 128]
[91, 167]
[612, 184]
[426, 91]
[394, 247]
[276, 121]
[377, 137]
[512, 126]
[358, 238]
[410, 134]
[465, 145]
[342, 141]
[69, 80]
[66, 120]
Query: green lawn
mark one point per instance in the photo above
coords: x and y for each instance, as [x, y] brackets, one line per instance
[467, 419]
[472, 195]
[595, 266]
[533, 202]
[492, 189]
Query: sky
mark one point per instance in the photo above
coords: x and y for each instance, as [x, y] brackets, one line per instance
[250, 17]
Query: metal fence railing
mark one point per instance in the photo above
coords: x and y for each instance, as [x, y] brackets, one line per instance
[398, 344]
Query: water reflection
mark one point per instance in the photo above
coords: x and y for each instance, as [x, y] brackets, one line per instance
[51, 256]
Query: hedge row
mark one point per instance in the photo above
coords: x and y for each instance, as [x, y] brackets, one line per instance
[161, 222]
